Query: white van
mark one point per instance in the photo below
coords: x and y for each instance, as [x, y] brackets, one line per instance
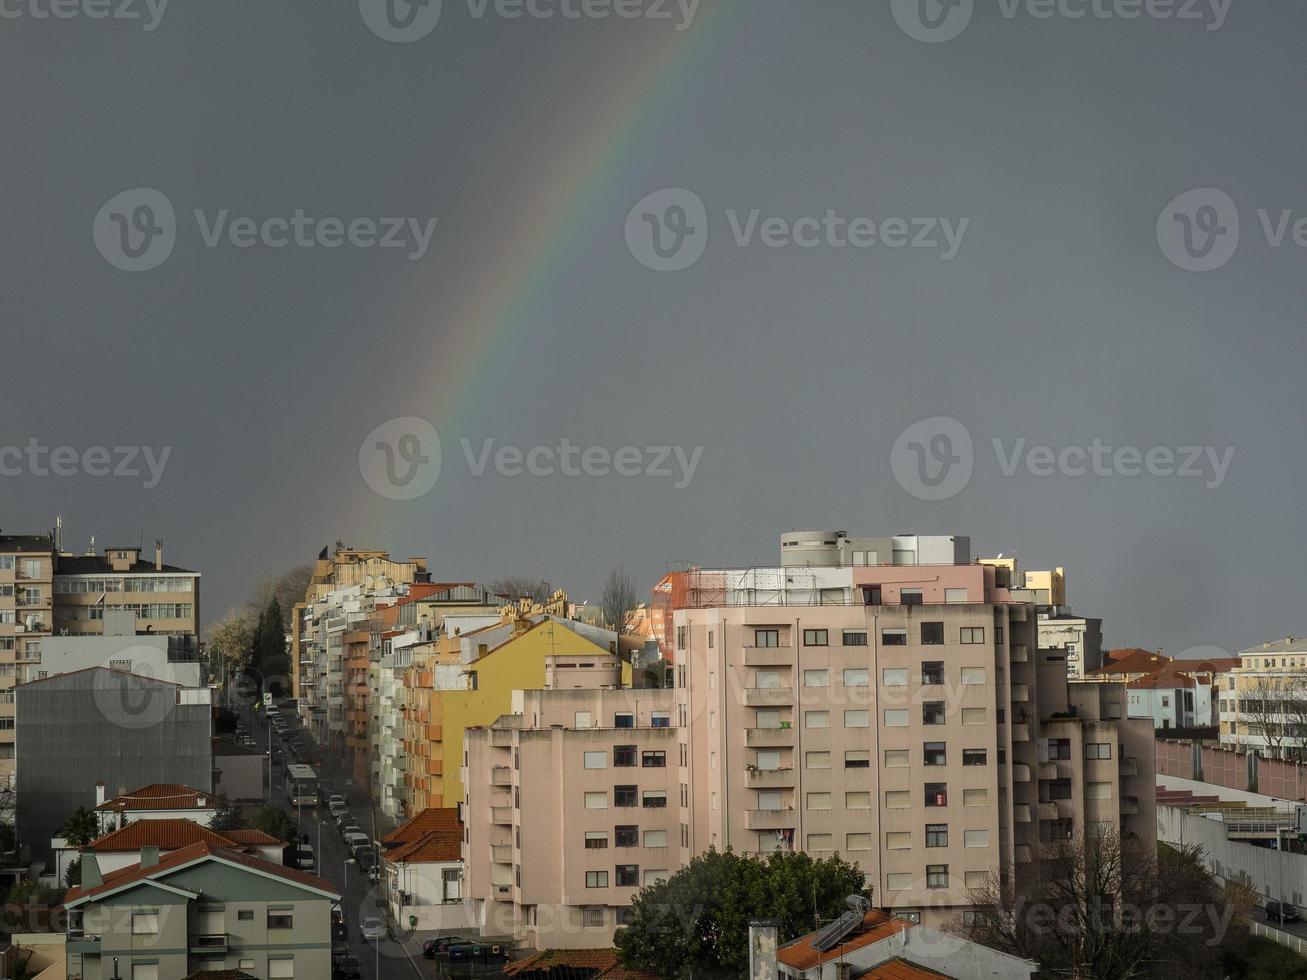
[305, 859]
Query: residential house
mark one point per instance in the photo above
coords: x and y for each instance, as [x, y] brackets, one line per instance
[422, 868]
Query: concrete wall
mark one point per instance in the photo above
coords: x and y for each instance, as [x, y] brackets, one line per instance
[240, 776]
[75, 729]
[1226, 767]
[1274, 874]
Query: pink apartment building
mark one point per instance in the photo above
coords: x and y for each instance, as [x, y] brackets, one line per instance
[900, 714]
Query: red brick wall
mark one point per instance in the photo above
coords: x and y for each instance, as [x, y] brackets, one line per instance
[1226, 767]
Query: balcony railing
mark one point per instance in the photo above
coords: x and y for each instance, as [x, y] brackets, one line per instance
[208, 944]
[770, 736]
[768, 696]
[770, 819]
[770, 777]
[501, 776]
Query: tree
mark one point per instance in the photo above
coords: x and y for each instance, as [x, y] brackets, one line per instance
[618, 600]
[696, 923]
[227, 816]
[269, 647]
[1262, 704]
[288, 588]
[81, 828]
[231, 641]
[514, 587]
[73, 873]
[1097, 906]
[275, 821]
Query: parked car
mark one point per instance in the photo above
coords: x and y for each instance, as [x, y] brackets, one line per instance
[1275, 909]
[306, 860]
[438, 947]
[346, 968]
[366, 858]
[338, 949]
[373, 928]
[477, 952]
[356, 840]
[339, 930]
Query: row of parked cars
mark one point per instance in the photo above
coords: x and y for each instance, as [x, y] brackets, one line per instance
[358, 843]
[459, 950]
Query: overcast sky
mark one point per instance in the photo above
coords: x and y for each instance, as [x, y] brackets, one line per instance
[1046, 286]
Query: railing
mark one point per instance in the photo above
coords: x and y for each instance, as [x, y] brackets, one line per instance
[208, 944]
[1295, 943]
[770, 736]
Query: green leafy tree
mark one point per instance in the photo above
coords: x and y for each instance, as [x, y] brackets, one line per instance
[696, 923]
[269, 653]
[275, 821]
[73, 873]
[81, 828]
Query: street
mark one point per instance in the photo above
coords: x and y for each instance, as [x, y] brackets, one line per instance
[395, 956]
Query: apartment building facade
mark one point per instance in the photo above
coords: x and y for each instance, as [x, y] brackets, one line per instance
[901, 715]
[1262, 703]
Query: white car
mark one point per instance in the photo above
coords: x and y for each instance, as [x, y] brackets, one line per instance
[373, 929]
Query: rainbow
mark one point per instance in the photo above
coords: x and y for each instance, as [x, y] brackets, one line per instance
[541, 257]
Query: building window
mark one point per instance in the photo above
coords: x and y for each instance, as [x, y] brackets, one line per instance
[680, 637]
[596, 801]
[625, 915]
[766, 638]
[894, 677]
[896, 717]
[596, 879]
[897, 799]
[998, 639]
[855, 718]
[932, 634]
[856, 677]
[654, 799]
[857, 759]
[935, 754]
[147, 923]
[1098, 750]
[972, 634]
[975, 797]
[623, 756]
[974, 757]
[281, 919]
[975, 838]
[932, 713]
[937, 876]
[818, 801]
[896, 758]
[245, 915]
[596, 760]
[593, 917]
[596, 840]
[653, 760]
[973, 675]
[816, 678]
[660, 719]
[857, 842]
[1059, 789]
[973, 716]
[898, 840]
[817, 760]
[955, 595]
[855, 638]
[816, 719]
[821, 842]
[932, 672]
[626, 836]
[910, 597]
[1059, 748]
[937, 794]
[937, 835]
[626, 796]
[623, 719]
[815, 638]
[894, 638]
[655, 838]
[628, 875]
[857, 801]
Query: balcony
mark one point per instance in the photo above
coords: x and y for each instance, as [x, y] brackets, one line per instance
[770, 819]
[1046, 811]
[1048, 770]
[768, 697]
[501, 815]
[501, 853]
[1021, 813]
[1129, 805]
[768, 656]
[1020, 772]
[1129, 766]
[1021, 853]
[769, 736]
[767, 778]
[1021, 732]
[1020, 692]
[503, 893]
[1020, 654]
[501, 776]
[501, 737]
[202, 945]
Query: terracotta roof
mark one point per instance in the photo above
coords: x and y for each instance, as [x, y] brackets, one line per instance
[1180, 673]
[1133, 661]
[901, 969]
[187, 855]
[440, 846]
[162, 796]
[422, 824]
[168, 835]
[220, 975]
[603, 961]
[250, 838]
[876, 925]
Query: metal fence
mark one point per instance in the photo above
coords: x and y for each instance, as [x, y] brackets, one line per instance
[1295, 943]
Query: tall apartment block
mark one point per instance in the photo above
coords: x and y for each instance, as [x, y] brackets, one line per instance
[45, 591]
[883, 698]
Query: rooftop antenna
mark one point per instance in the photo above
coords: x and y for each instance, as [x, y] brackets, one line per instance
[59, 533]
[91, 549]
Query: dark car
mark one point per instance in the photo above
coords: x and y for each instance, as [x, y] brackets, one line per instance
[339, 949]
[1274, 911]
[346, 968]
[477, 952]
[435, 947]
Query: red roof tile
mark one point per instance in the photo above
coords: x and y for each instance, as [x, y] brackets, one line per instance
[876, 925]
[162, 796]
[430, 819]
[603, 961]
[187, 855]
[900, 969]
[168, 835]
[438, 846]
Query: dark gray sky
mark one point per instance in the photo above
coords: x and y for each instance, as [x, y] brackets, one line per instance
[1063, 318]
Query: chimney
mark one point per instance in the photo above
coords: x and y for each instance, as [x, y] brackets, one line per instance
[158, 554]
[149, 855]
[763, 947]
[90, 868]
[100, 789]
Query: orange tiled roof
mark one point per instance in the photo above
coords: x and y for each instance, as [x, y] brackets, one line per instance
[603, 961]
[900, 969]
[437, 846]
[876, 925]
[250, 838]
[430, 819]
[195, 852]
[162, 796]
[168, 835]
[1131, 661]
